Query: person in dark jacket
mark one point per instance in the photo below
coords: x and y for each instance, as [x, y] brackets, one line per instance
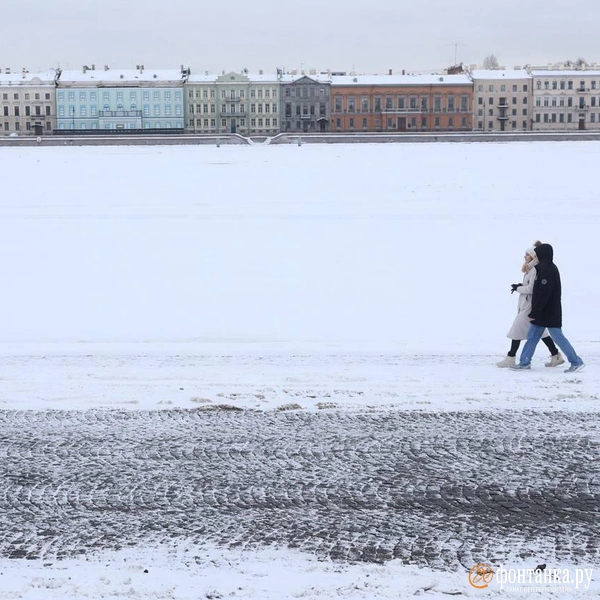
[546, 312]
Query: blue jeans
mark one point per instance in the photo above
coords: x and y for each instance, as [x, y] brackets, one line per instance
[535, 334]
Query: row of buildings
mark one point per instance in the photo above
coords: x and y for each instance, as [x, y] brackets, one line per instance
[91, 100]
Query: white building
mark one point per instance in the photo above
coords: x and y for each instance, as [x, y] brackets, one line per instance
[566, 99]
[27, 102]
[502, 100]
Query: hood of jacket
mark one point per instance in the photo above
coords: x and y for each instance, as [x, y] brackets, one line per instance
[545, 252]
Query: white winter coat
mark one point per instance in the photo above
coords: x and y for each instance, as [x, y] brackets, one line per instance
[521, 324]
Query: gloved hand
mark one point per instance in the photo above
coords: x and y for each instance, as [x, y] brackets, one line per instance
[514, 286]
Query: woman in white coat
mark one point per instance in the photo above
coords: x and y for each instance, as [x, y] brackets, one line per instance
[520, 326]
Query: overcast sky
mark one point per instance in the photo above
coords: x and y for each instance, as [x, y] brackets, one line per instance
[370, 37]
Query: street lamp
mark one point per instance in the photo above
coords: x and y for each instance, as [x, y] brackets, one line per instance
[73, 118]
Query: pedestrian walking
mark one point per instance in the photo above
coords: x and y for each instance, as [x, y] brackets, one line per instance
[520, 326]
[546, 312]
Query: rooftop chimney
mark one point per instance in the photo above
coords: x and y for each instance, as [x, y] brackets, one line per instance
[106, 67]
[93, 67]
[7, 70]
[390, 72]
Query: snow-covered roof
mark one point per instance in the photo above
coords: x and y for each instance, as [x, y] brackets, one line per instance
[100, 76]
[500, 74]
[292, 77]
[210, 78]
[565, 73]
[239, 78]
[400, 80]
[27, 78]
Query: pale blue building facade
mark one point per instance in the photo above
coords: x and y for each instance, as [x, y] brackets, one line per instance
[117, 101]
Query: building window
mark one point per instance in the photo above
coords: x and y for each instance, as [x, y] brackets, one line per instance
[157, 110]
[48, 111]
[156, 95]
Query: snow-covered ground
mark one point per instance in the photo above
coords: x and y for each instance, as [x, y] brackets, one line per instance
[359, 275]
[313, 277]
[270, 574]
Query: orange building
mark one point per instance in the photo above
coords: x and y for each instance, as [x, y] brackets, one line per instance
[397, 103]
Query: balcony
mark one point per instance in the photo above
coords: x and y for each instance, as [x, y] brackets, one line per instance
[239, 113]
[580, 89]
[503, 118]
[503, 105]
[119, 113]
[402, 111]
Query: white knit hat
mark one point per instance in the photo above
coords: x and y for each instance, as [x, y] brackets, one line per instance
[531, 252]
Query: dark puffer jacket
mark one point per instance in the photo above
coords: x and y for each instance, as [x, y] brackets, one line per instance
[546, 307]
